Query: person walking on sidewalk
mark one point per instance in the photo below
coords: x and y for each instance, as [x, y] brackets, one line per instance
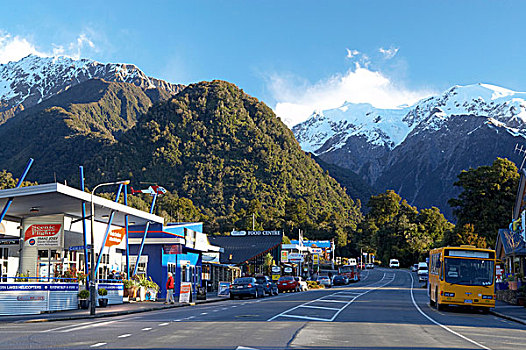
[170, 286]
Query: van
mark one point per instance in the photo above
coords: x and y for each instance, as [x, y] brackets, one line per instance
[394, 263]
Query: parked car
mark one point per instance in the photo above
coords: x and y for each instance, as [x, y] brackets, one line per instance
[288, 284]
[246, 286]
[340, 280]
[268, 285]
[394, 264]
[303, 284]
[325, 280]
[422, 272]
[369, 266]
[414, 268]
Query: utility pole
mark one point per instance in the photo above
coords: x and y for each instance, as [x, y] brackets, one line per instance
[253, 222]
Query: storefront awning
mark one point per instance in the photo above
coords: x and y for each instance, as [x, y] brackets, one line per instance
[55, 198]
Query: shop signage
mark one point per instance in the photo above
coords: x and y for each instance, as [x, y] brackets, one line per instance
[78, 247]
[315, 259]
[172, 249]
[275, 277]
[115, 237]
[288, 270]
[276, 269]
[284, 256]
[44, 235]
[255, 233]
[317, 250]
[184, 294]
[10, 242]
[295, 257]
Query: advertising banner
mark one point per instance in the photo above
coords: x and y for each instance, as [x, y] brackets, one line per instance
[295, 257]
[284, 256]
[44, 235]
[115, 237]
[184, 294]
[224, 289]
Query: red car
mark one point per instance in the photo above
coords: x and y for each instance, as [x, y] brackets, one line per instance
[288, 283]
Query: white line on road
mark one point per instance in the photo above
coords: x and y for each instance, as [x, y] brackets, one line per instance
[163, 324]
[63, 327]
[308, 318]
[204, 313]
[124, 335]
[88, 326]
[440, 324]
[147, 329]
[97, 345]
[320, 307]
[388, 277]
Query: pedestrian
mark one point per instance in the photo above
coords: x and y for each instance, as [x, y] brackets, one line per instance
[170, 286]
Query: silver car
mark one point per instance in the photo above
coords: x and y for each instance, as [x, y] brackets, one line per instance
[324, 280]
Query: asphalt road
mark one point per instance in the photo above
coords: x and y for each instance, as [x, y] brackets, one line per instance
[383, 311]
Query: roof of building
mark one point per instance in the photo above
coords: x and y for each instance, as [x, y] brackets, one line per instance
[244, 248]
[55, 198]
[510, 240]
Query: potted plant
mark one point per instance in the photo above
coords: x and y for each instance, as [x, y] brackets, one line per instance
[512, 282]
[130, 289]
[84, 299]
[143, 285]
[103, 302]
[152, 290]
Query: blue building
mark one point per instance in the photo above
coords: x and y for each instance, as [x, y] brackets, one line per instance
[177, 248]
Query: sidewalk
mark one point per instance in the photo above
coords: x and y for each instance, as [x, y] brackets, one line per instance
[510, 312]
[110, 310]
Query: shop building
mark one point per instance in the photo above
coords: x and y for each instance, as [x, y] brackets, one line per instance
[247, 249]
[177, 248]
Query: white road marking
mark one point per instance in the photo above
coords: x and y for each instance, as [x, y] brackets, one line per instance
[177, 320]
[163, 324]
[308, 318]
[97, 345]
[387, 277]
[63, 327]
[320, 307]
[92, 325]
[204, 313]
[440, 324]
[147, 329]
[124, 335]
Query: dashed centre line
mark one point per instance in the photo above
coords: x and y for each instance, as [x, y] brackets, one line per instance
[124, 335]
[97, 345]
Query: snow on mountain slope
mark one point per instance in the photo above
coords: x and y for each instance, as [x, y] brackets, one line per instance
[32, 79]
[331, 129]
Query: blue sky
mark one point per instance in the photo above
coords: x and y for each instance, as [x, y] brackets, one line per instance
[294, 55]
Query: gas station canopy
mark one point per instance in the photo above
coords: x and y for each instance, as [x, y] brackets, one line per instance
[55, 198]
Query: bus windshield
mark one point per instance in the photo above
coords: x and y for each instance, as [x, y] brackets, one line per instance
[470, 272]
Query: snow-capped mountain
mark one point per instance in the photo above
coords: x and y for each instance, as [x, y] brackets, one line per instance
[419, 150]
[329, 130]
[33, 79]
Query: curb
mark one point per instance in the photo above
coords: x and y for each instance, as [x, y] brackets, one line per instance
[511, 318]
[120, 313]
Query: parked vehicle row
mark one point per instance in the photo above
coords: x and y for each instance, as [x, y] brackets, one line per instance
[292, 284]
[261, 286]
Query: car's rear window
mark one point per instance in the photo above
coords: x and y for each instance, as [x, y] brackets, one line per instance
[244, 280]
[286, 278]
[261, 279]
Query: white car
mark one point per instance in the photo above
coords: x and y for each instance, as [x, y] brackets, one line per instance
[394, 263]
[302, 283]
[414, 268]
[422, 272]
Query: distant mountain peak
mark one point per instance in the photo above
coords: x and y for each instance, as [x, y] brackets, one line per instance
[327, 130]
[32, 79]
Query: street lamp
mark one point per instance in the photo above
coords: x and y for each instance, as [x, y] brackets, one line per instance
[93, 273]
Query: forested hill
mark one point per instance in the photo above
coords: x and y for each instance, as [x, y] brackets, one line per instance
[65, 130]
[229, 154]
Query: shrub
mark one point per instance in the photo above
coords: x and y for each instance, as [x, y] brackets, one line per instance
[102, 292]
[84, 294]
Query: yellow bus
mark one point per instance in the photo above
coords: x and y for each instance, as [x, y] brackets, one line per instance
[462, 276]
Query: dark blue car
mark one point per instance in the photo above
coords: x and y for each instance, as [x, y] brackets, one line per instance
[246, 286]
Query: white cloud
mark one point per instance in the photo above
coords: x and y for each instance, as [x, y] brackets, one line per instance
[388, 53]
[297, 98]
[13, 48]
[352, 53]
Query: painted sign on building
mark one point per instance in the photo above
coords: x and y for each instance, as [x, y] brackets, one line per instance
[255, 233]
